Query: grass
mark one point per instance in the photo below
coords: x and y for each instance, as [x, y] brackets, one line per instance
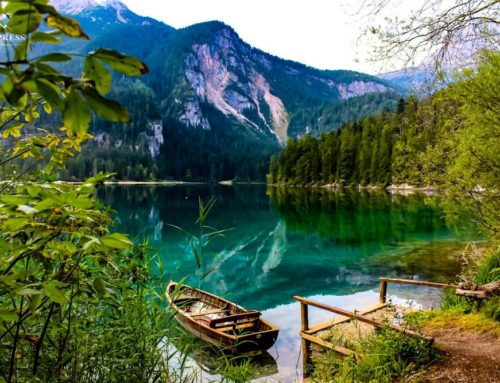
[477, 322]
[237, 370]
[386, 356]
[488, 268]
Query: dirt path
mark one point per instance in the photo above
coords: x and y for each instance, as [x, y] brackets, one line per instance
[469, 357]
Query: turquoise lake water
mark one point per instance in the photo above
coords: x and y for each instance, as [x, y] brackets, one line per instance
[329, 246]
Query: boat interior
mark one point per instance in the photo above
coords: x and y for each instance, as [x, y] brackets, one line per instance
[218, 314]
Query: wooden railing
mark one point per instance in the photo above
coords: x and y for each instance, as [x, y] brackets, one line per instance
[308, 334]
[384, 281]
[349, 314]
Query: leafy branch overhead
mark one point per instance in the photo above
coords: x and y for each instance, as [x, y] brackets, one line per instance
[59, 260]
[31, 82]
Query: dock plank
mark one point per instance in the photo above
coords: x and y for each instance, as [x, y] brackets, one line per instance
[331, 346]
[341, 319]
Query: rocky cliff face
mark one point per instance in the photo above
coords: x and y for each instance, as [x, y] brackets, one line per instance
[229, 82]
[252, 88]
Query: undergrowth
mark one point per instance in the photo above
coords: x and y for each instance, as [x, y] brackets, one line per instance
[481, 269]
[386, 356]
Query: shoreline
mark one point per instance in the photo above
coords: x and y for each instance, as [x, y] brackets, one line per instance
[404, 189]
[168, 183]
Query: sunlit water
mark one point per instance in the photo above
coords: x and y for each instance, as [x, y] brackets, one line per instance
[329, 246]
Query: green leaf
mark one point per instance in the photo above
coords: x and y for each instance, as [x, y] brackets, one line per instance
[47, 108]
[94, 70]
[12, 91]
[50, 92]
[21, 50]
[24, 21]
[33, 191]
[196, 256]
[69, 27]
[13, 130]
[8, 316]
[15, 224]
[14, 6]
[46, 204]
[54, 57]
[81, 203]
[42, 37]
[45, 68]
[109, 110]
[15, 199]
[27, 291]
[76, 114]
[116, 241]
[100, 286]
[127, 65]
[54, 293]
[91, 241]
[42, 7]
[35, 302]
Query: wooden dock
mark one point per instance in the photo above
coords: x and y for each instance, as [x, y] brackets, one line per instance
[340, 334]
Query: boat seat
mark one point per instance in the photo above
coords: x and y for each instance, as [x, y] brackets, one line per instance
[248, 316]
[185, 297]
[206, 312]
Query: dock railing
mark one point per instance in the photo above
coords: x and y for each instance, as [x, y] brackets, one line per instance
[384, 281]
[308, 334]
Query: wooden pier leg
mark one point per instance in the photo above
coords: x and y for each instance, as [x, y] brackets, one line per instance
[383, 290]
[306, 345]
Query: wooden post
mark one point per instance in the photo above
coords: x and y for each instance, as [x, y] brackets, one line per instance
[306, 344]
[383, 290]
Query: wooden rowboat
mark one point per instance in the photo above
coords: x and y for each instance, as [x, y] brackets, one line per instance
[220, 322]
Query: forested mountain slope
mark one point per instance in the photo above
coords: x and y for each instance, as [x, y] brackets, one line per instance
[212, 107]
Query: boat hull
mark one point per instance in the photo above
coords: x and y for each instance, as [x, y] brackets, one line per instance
[245, 343]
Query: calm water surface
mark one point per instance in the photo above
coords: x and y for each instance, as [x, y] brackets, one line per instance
[331, 246]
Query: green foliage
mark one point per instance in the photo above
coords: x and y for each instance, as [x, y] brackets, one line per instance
[326, 117]
[387, 356]
[31, 85]
[480, 270]
[236, 370]
[359, 153]
[124, 329]
[465, 158]
[378, 150]
[71, 291]
[488, 268]
[56, 245]
[491, 308]
[454, 303]
[449, 141]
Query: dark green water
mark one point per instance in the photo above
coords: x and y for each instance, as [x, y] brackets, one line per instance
[332, 246]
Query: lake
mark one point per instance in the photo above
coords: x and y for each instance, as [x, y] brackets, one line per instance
[331, 246]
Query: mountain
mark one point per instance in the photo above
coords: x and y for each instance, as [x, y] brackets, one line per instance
[100, 15]
[214, 107]
[438, 68]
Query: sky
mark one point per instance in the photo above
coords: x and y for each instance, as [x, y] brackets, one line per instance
[319, 33]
